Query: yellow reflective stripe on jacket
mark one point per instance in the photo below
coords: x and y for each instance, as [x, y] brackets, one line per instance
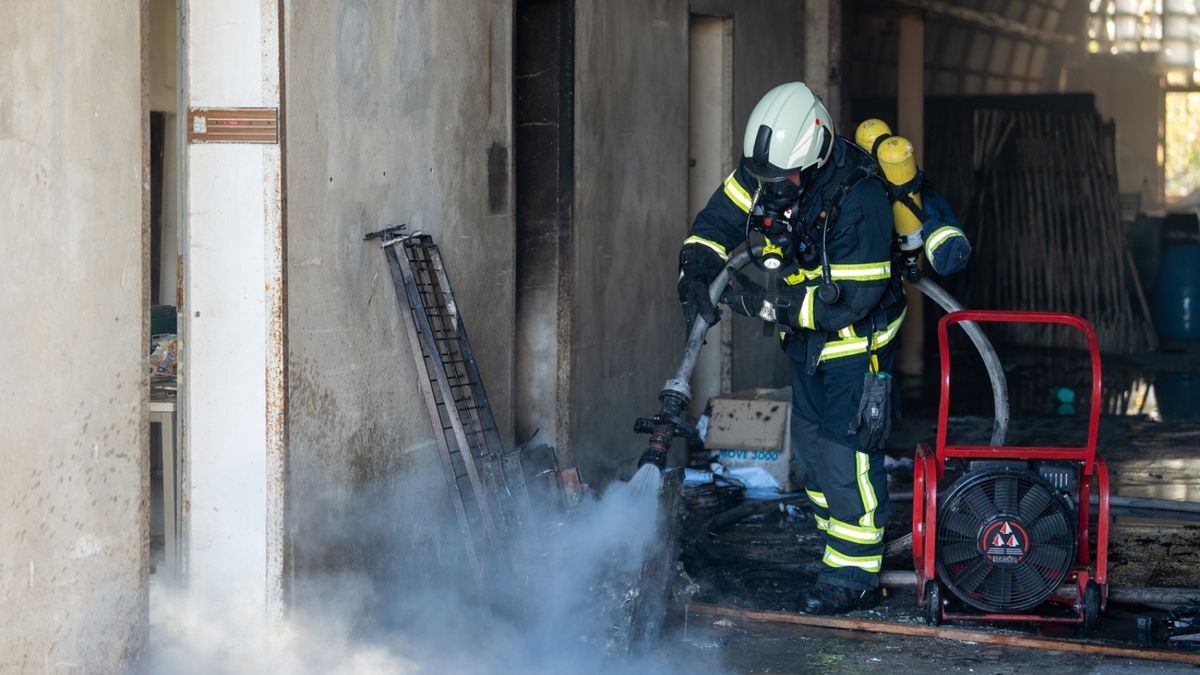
[857, 534]
[868, 563]
[802, 275]
[847, 332]
[850, 346]
[817, 498]
[870, 501]
[861, 271]
[806, 319]
[848, 272]
[822, 523]
[736, 193]
[940, 236]
[709, 243]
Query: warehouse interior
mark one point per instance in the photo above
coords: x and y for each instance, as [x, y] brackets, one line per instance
[240, 434]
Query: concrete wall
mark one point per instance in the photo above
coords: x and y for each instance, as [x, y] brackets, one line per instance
[1130, 92]
[631, 210]
[631, 140]
[73, 520]
[392, 109]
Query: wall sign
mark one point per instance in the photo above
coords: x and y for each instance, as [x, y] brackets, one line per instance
[233, 125]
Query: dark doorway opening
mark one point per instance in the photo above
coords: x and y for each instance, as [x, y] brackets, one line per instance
[543, 118]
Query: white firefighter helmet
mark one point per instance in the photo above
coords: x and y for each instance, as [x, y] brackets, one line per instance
[788, 138]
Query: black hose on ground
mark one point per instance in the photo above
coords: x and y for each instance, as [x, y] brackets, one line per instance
[746, 510]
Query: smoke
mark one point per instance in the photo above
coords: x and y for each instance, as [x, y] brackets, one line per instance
[388, 591]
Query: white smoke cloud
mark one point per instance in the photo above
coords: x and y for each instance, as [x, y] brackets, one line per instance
[424, 615]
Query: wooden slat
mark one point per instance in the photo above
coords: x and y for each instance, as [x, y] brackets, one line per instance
[961, 635]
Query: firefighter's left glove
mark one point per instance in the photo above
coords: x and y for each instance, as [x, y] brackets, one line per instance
[699, 266]
[749, 298]
[743, 295]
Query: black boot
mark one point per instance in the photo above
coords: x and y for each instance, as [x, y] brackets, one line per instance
[831, 599]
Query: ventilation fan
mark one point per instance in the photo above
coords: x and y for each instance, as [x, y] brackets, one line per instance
[1006, 540]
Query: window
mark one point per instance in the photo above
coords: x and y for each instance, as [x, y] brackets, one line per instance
[1170, 29]
[1182, 144]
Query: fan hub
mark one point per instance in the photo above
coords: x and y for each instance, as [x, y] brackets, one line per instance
[1005, 541]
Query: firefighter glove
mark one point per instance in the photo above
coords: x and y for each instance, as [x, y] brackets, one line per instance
[699, 265]
[873, 422]
[744, 295]
[747, 297]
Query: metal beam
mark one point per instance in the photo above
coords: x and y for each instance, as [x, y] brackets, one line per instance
[974, 17]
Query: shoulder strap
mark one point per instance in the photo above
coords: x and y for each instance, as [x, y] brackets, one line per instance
[831, 201]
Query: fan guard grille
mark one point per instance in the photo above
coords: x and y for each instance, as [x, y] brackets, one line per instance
[1004, 540]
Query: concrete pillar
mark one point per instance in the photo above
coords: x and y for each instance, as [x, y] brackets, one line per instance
[73, 294]
[823, 53]
[910, 123]
[233, 317]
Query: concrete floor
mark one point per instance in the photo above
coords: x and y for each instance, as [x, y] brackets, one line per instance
[749, 647]
[767, 562]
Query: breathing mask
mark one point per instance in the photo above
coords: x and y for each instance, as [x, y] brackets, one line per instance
[770, 216]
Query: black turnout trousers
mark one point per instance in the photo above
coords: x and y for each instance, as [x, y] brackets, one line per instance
[846, 482]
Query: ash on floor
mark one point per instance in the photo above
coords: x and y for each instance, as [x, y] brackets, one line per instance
[768, 560]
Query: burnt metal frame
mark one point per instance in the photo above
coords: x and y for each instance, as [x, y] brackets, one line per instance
[455, 398]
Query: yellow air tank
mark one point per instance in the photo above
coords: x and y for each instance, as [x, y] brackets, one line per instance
[870, 130]
[895, 157]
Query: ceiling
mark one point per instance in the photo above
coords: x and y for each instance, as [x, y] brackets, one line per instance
[971, 46]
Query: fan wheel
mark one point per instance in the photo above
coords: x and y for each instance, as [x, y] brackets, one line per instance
[933, 603]
[1005, 540]
[1092, 600]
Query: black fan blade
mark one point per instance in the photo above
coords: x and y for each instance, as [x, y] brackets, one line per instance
[962, 522]
[959, 551]
[975, 573]
[1001, 587]
[1049, 556]
[1006, 493]
[980, 503]
[1029, 580]
[1049, 528]
[1033, 503]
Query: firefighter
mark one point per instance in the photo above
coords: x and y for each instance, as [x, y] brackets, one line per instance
[821, 213]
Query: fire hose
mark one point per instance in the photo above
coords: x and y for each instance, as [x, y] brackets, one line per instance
[676, 395]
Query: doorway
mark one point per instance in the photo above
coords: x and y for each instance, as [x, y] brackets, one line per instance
[710, 159]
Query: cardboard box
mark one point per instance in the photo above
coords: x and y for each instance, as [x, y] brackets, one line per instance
[750, 428]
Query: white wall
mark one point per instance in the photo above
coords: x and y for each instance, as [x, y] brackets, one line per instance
[232, 312]
[73, 454]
